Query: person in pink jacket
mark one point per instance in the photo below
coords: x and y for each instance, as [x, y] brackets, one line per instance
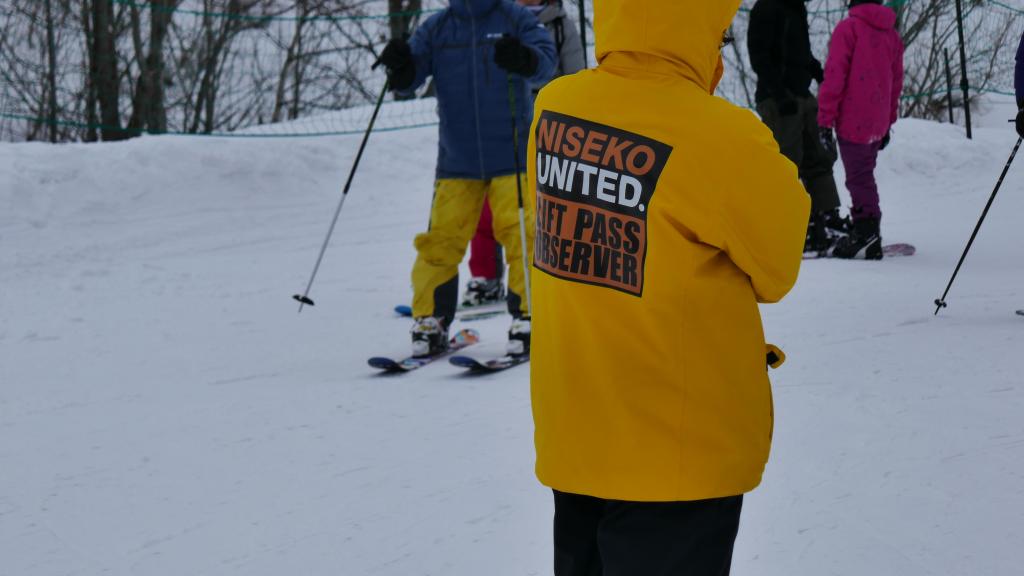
[859, 99]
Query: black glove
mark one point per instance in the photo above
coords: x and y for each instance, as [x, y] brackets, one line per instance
[397, 58]
[885, 140]
[511, 55]
[788, 106]
[828, 140]
[816, 71]
[1020, 121]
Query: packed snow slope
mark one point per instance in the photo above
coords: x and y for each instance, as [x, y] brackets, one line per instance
[164, 411]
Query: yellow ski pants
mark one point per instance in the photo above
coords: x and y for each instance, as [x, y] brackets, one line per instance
[453, 221]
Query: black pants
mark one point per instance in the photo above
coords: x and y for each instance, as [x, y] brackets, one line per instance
[798, 140]
[595, 537]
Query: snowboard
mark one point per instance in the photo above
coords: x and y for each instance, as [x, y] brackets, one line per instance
[471, 314]
[1020, 312]
[462, 339]
[888, 251]
[493, 365]
[892, 250]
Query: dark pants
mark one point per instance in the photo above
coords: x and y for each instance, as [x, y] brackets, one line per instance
[596, 537]
[797, 135]
[859, 161]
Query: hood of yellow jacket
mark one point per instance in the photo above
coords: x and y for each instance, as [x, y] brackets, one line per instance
[686, 34]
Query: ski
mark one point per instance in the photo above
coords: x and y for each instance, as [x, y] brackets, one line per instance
[493, 365]
[471, 314]
[888, 251]
[1020, 312]
[462, 339]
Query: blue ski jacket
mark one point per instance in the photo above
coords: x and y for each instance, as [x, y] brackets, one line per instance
[456, 47]
[1018, 78]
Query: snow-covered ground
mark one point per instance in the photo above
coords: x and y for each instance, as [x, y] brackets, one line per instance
[165, 411]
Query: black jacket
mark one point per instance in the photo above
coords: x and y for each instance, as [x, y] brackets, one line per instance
[780, 49]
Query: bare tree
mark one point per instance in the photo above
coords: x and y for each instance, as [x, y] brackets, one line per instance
[51, 70]
[91, 100]
[926, 27]
[218, 32]
[103, 67]
[148, 106]
[111, 69]
[292, 66]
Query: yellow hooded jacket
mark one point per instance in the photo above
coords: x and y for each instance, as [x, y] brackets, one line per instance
[663, 216]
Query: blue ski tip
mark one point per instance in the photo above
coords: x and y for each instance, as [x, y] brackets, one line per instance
[382, 363]
[465, 362]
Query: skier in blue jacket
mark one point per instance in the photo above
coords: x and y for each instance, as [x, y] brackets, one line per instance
[484, 56]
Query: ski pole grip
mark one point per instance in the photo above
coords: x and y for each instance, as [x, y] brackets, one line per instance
[376, 63]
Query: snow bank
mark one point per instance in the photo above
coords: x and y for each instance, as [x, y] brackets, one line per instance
[165, 411]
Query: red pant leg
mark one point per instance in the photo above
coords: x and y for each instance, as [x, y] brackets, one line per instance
[483, 250]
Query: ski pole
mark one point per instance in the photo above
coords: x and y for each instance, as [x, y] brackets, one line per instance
[303, 298]
[519, 193]
[940, 303]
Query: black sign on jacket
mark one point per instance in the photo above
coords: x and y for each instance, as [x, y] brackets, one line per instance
[595, 184]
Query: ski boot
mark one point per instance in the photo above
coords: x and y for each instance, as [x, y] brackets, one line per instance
[429, 336]
[519, 337]
[481, 291]
[836, 226]
[863, 243]
[824, 230]
[816, 243]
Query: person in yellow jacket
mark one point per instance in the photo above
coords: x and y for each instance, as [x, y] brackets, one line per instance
[664, 215]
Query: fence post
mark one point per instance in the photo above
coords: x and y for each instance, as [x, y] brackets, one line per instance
[949, 86]
[963, 67]
[583, 32]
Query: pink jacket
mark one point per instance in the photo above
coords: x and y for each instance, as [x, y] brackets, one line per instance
[863, 75]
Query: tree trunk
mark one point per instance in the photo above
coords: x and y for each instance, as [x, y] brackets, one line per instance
[214, 42]
[139, 95]
[290, 61]
[51, 72]
[106, 79]
[149, 111]
[90, 86]
[157, 110]
[298, 68]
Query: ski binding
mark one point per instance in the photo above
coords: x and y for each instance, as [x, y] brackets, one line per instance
[462, 339]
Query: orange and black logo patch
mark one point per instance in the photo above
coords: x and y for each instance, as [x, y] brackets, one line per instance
[594, 186]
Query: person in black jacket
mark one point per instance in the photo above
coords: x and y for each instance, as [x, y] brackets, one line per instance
[780, 54]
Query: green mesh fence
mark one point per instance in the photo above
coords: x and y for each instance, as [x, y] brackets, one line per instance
[272, 82]
[271, 16]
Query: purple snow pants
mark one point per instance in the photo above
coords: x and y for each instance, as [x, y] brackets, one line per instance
[859, 161]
